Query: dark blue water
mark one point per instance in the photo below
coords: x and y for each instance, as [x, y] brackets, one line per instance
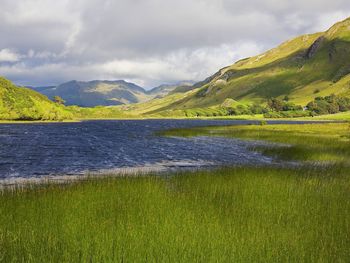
[37, 150]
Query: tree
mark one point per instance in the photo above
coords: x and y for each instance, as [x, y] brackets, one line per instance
[275, 104]
[58, 100]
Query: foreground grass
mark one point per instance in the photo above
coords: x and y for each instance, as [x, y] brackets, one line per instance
[233, 214]
[242, 214]
[343, 116]
[321, 142]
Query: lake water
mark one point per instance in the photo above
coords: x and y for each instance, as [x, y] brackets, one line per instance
[39, 150]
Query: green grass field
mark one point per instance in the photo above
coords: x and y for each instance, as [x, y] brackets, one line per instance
[242, 214]
[321, 142]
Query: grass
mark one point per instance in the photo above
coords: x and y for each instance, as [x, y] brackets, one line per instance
[322, 142]
[343, 116]
[242, 214]
[25, 104]
[233, 214]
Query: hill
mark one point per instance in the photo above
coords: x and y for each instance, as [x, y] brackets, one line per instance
[103, 93]
[303, 68]
[19, 103]
[166, 89]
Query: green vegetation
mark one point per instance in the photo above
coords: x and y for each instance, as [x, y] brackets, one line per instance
[298, 70]
[237, 214]
[242, 214]
[298, 213]
[277, 108]
[342, 116]
[22, 104]
[308, 142]
[329, 105]
[100, 112]
[106, 93]
[25, 104]
[59, 100]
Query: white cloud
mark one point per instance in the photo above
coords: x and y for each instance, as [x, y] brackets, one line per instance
[328, 19]
[148, 41]
[7, 55]
[184, 64]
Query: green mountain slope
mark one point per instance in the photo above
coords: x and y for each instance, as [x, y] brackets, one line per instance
[166, 89]
[302, 69]
[17, 103]
[97, 92]
[104, 93]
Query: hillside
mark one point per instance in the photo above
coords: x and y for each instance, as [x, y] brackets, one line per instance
[166, 89]
[103, 93]
[302, 69]
[17, 103]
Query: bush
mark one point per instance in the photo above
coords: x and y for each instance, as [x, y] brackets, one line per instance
[329, 105]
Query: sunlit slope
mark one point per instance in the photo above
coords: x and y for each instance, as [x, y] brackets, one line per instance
[105, 92]
[97, 92]
[18, 103]
[302, 69]
[158, 106]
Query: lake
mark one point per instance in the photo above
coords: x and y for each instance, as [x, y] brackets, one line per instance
[44, 149]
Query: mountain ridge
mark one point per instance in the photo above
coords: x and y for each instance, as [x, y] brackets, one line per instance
[104, 92]
[301, 69]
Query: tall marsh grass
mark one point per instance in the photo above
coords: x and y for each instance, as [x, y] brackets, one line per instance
[231, 214]
[242, 214]
[322, 142]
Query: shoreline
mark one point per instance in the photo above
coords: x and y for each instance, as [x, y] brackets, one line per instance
[39, 121]
[316, 120]
[145, 170]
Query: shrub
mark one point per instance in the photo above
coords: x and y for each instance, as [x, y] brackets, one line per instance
[329, 104]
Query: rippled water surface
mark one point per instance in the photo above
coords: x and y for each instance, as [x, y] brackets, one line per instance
[36, 150]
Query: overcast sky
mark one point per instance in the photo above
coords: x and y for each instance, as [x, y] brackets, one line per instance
[148, 42]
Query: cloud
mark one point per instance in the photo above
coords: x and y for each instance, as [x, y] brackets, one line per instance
[184, 64]
[323, 23]
[7, 55]
[147, 41]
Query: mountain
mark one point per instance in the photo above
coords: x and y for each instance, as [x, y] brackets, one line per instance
[103, 92]
[302, 68]
[96, 92]
[165, 89]
[19, 103]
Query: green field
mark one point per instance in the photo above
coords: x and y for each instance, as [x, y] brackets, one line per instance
[242, 214]
[321, 142]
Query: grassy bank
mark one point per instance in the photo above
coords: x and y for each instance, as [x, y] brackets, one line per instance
[242, 215]
[321, 142]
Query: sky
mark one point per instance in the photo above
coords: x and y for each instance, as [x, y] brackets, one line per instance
[148, 42]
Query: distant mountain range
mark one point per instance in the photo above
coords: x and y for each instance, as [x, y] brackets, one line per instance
[300, 70]
[105, 93]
